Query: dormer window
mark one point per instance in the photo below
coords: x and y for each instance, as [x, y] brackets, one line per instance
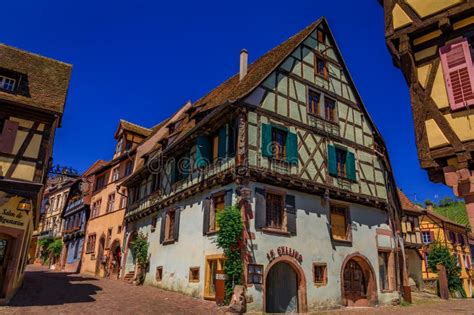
[7, 83]
[118, 149]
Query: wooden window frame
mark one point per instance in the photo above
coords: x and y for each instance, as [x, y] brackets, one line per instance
[169, 226]
[325, 274]
[100, 179]
[277, 155]
[128, 168]
[159, 274]
[282, 195]
[192, 271]
[325, 73]
[110, 203]
[252, 274]
[3, 79]
[310, 105]
[213, 212]
[90, 246]
[347, 215]
[334, 119]
[154, 221]
[115, 174]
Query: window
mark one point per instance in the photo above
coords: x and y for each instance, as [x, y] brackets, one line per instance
[275, 208]
[452, 237]
[119, 146]
[341, 163]
[319, 273]
[128, 168]
[321, 36]
[383, 271]
[128, 145]
[181, 169]
[90, 246]
[340, 223]
[7, 83]
[215, 147]
[254, 274]
[461, 240]
[427, 237]
[108, 240]
[322, 67]
[314, 100]
[279, 144]
[100, 182]
[194, 274]
[217, 205]
[110, 202]
[170, 225]
[115, 174]
[119, 229]
[154, 220]
[467, 264]
[159, 273]
[96, 208]
[214, 265]
[123, 200]
[329, 109]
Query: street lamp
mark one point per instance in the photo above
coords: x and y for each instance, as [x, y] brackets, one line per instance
[25, 205]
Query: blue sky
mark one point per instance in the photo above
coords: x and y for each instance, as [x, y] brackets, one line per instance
[141, 60]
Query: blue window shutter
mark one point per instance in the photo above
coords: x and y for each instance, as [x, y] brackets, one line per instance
[228, 198]
[350, 166]
[222, 142]
[203, 151]
[292, 148]
[332, 164]
[267, 140]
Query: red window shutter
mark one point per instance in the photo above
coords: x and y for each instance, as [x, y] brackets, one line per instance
[7, 139]
[432, 236]
[458, 73]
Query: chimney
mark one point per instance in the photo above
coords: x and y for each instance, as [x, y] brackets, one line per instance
[244, 59]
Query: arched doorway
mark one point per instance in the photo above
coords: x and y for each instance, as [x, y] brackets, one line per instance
[359, 287]
[129, 259]
[285, 287]
[100, 257]
[115, 259]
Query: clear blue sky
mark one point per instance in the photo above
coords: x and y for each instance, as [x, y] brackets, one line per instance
[141, 60]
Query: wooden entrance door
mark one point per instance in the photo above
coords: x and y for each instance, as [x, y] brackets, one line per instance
[355, 284]
[281, 286]
[3, 262]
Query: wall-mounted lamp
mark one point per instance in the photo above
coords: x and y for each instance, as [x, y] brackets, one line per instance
[25, 205]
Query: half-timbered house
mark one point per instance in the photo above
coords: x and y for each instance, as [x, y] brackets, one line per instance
[432, 43]
[104, 232]
[33, 92]
[289, 140]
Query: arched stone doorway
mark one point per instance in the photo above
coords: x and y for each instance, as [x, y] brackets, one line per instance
[99, 270]
[115, 259]
[284, 287]
[358, 284]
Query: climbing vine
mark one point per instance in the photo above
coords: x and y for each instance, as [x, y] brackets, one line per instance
[229, 239]
[440, 254]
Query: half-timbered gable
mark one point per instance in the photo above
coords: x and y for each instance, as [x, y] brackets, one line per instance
[432, 43]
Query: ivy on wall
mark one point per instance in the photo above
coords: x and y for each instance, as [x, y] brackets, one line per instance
[229, 239]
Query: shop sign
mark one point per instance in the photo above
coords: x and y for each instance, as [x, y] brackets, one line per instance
[285, 251]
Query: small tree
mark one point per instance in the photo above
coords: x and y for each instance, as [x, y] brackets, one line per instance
[54, 250]
[428, 202]
[229, 238]
[139, 248]
[439, 254]
[44, 251]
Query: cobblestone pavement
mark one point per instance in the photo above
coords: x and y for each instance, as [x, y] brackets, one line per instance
[49, 292]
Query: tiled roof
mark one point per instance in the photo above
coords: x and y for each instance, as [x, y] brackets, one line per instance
[47, 79]
[234, 89]
[126, 125]
[407, 204]
[97, 164]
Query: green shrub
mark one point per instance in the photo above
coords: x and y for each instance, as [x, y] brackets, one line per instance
[139, 248]
[229, 238]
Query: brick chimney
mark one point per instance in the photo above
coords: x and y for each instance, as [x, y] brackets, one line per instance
[244, 60]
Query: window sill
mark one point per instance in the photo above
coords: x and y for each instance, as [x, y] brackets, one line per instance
[319, 284]
[168, 242]
[348, 241]
[335, 123]
[276, 231]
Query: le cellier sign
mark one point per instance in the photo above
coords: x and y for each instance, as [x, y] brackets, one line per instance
[284, 251]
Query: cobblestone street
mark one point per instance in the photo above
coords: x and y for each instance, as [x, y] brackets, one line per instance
[49, 292]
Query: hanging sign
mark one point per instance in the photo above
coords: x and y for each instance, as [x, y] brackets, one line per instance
[285, 251]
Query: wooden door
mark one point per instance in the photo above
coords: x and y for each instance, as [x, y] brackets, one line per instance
[355, 285]
[281, 289]
[3, 262]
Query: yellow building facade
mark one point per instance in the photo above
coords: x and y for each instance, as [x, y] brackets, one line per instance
[436, 228]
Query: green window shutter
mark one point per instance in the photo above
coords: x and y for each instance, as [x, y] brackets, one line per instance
[332, 164]
[222, 142]
[350, 166]
[267, 140]
[292, 148]
[203, 151]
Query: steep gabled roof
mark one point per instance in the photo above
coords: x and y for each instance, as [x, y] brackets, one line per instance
[128, 126]
[97, 164]
[44, 81]
[406, 203]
